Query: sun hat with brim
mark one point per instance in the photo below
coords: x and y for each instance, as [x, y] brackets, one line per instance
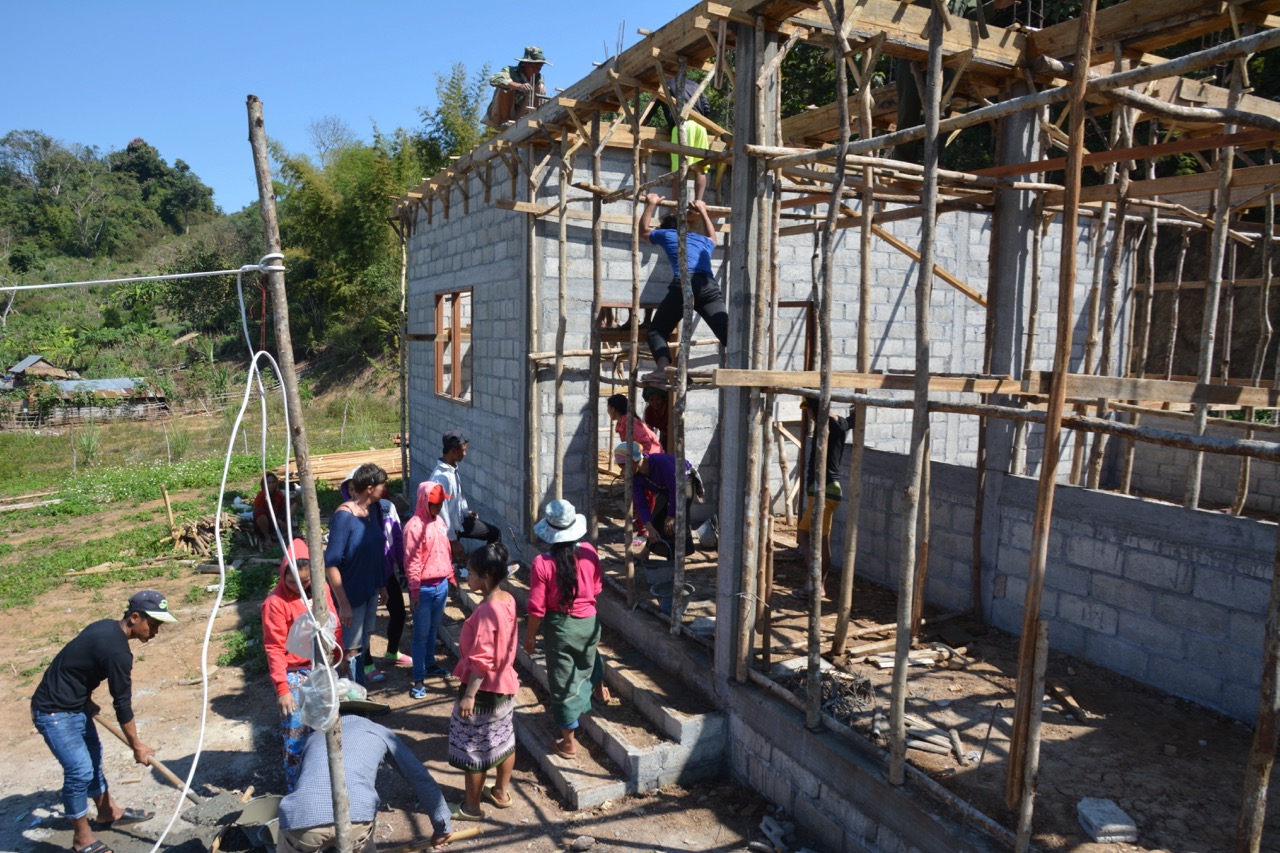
[533, 53]
[151, 603]
[561, 522]
[625, 449]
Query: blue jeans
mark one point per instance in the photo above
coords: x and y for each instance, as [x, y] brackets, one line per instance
[73, 740]
[426, 624]
[364, 619]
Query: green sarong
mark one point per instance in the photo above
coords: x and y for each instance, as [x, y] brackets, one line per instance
[573, 667]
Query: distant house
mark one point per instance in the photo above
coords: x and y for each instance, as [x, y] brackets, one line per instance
[76, 398]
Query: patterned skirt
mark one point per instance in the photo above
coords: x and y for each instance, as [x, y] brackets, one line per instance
[486, 738]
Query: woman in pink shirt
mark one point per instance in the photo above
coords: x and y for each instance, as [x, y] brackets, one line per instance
[563, 586]
[428, 568]
[482, 733]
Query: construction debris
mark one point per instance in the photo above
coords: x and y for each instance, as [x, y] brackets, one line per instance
[1105, 822]
[198, 536]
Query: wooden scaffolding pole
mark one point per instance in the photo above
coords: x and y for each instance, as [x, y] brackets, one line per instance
[1213, 286]
[597, 288]
[406, 474]
[920, 432]
[301, 446]
[681, 510]
[1026, 696]
[633, 359]
[562, 319]
[1266, 732]
[853, 503]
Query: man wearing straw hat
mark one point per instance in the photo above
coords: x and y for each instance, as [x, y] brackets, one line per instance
[520, 89]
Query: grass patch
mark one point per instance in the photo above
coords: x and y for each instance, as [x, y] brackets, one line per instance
[243, 648]
[50, 558]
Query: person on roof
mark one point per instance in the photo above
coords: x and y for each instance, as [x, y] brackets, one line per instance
[519, 89]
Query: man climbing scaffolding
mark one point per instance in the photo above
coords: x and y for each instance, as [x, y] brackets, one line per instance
[707, 299]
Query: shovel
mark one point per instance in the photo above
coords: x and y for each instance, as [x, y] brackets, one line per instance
[155, 762]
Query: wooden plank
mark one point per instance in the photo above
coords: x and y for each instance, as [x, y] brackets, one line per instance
[543, 210]
[1157, 390]
[906, 35]
[1245, 139]
[951, 279]
[1253, 176]
[733, 378]
[1150, 21]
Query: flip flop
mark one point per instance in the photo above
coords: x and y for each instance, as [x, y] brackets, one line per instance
[460, 812]
[95, 847]
[487, 793]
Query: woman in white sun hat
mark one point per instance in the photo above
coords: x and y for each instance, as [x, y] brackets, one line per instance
[563, 586]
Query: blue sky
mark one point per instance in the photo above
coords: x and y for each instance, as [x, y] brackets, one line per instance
[177, 73]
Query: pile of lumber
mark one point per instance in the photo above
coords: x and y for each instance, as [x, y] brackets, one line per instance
[198, 536]
[333, 468]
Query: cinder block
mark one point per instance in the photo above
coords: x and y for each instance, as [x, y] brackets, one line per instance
[1150, 634]
[1229, 588]
[1116, 655]
[1122, 594]
[1158, 571]
[1187, 614]
[1230, 662]
[1182, 680]
[1087, 613]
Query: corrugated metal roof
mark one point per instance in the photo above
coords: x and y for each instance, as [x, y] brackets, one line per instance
[108, 387]
[25, 363]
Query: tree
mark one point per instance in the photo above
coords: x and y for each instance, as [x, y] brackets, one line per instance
[329, 134]
[453, 128]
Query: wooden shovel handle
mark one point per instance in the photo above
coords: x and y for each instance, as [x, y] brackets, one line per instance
[154, 762]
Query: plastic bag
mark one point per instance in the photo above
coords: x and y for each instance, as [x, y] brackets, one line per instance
[318, 699]
[303, 634]
[349, 690]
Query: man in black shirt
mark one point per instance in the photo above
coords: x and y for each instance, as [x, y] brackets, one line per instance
[63, 705]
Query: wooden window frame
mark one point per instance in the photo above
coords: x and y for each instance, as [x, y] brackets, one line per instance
[445, 336]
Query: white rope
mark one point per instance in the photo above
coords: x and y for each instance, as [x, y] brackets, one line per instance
[258, 267]
[254, 376]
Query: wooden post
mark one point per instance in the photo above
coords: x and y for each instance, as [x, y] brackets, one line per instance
[1177, 300]
[1027, 806]
[1266, 732]
[406, 477]
[562, 320]
[1053, 425]
[920, 432]
[853, 501]
[681, 510]
[1143, 325]
[597, 287]
[633, 361]
[301, 448]
[1213, 286]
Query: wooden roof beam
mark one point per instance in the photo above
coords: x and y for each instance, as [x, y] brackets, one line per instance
[1144, 25]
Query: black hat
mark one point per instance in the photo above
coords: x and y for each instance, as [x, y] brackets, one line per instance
[454, 438]
[150, 603]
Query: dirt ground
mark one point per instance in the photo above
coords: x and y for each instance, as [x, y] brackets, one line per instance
[241, 748]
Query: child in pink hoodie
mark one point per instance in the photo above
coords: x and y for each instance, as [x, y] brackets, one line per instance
[428, 567]
[282, 606]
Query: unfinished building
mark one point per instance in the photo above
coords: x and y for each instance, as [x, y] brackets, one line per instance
[952, 311]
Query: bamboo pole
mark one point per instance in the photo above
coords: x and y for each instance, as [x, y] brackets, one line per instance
[301, 446]
[1144, 324]
[597, 296]
[1177, 300]
[1057, 397]
[920, 432]
[922, 545]
[853, 505]
[1213, 284]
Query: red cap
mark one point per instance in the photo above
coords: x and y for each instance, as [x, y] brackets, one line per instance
[436, 494]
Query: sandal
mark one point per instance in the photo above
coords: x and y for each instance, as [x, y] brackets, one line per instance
[95, 847]
[375, 677]
[562, 752]
[128, 816]
[459, 812]
[489, 797]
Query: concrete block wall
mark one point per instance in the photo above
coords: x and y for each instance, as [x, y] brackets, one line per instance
[1161, 471]
[1172, 598]
[484, 250]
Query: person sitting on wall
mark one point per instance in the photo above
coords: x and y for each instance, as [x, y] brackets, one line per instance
[519, 89]
[707, 299]
[837, 429]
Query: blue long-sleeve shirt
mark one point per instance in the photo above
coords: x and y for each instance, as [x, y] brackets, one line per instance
[365, 744]
[357, 547]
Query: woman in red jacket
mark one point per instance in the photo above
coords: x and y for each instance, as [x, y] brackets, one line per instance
[288, 671]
